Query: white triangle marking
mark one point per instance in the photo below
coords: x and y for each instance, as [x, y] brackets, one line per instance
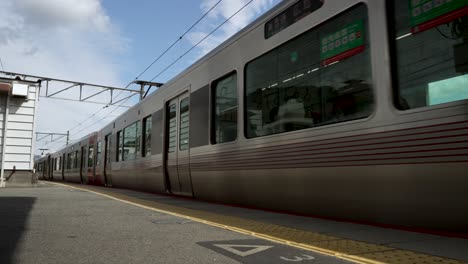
[231, 248]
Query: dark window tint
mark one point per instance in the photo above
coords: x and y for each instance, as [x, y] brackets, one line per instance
[131, 142]
[147, 127]
[119, 146]
[98, 153]
[90, 156]
[172, 128]
[76, 159]
[431, 45]
[319, 78]
[225, 109]
[184, 124]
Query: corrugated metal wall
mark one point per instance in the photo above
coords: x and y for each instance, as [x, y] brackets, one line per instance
[20, 131]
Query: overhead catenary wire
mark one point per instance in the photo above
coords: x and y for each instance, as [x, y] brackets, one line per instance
[149, 66]
[179, 39]
[152, 63]
[198, 43]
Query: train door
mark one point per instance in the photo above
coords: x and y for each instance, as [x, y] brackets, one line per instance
[49, 169]
[82, 163]
[107, 144]
[64, 163]
[178, 178]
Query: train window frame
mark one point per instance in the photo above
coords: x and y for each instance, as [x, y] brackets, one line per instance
[146, 135]
[401, 106]
[134, 126]
[213, 96]
[98, 152]
[119, 146]
[184, 145]
[90, 156]
[372, 86]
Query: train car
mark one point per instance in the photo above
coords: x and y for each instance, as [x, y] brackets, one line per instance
[55, 166]
[79, 160]
[41, 167]
[351, 110]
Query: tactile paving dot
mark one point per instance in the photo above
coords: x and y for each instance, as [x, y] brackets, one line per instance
[407, 257]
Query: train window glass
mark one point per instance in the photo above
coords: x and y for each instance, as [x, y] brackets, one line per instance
[98, 153]
[119, 146]
[76, 159]
[430, 41]
[225, 110]
[147, 126]
[184, 124]
[131, 142]
[172, 128]
[90, 156]
[69, 161]
[319, 78]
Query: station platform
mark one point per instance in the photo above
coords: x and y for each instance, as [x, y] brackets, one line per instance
[253, 236]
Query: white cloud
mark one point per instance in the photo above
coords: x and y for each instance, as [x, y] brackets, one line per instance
[65, 39]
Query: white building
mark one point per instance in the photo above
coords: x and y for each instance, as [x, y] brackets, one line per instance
[18, 102]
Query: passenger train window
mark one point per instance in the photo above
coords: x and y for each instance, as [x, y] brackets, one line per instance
[131, 141]
[321, 77]
[225, 109]
[147, 126]
[90, 156]
[172, 128]
[184, 124]
[119, 146]
[69, 161]
[431, 43]
[98, 153]
[76, 159]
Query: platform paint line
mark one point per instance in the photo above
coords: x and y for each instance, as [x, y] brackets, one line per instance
[351, 250]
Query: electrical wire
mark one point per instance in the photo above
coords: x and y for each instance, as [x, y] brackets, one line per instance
[198, 43]
[154, 61]
[179, 39]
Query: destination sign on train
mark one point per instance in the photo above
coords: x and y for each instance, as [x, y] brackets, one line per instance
[290, 16]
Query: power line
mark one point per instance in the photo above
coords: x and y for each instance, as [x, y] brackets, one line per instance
[149, 66]
[198, 43]
[179, 39]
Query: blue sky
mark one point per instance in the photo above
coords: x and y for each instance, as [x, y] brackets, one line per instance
[107, 42]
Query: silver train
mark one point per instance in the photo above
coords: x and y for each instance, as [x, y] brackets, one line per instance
[352, 110]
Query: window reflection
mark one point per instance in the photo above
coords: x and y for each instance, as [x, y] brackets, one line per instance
[430, 66]
[131, 142]
[225, 109]
[295, 87]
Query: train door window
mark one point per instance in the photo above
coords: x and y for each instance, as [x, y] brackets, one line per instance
[225, 109]
[430, 46]
[147, 127]
[59, 164]
[76, 160]
[172, 128]
[98, 153]
[131, 141]
[184, 124]
[69, 161]
[119, 146]
[321, 77]
[90, 156]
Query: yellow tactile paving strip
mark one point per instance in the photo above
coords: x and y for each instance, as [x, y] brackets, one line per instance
[356, 251]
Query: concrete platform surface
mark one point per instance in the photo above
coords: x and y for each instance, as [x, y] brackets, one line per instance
[59, 224]
[89, 224]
